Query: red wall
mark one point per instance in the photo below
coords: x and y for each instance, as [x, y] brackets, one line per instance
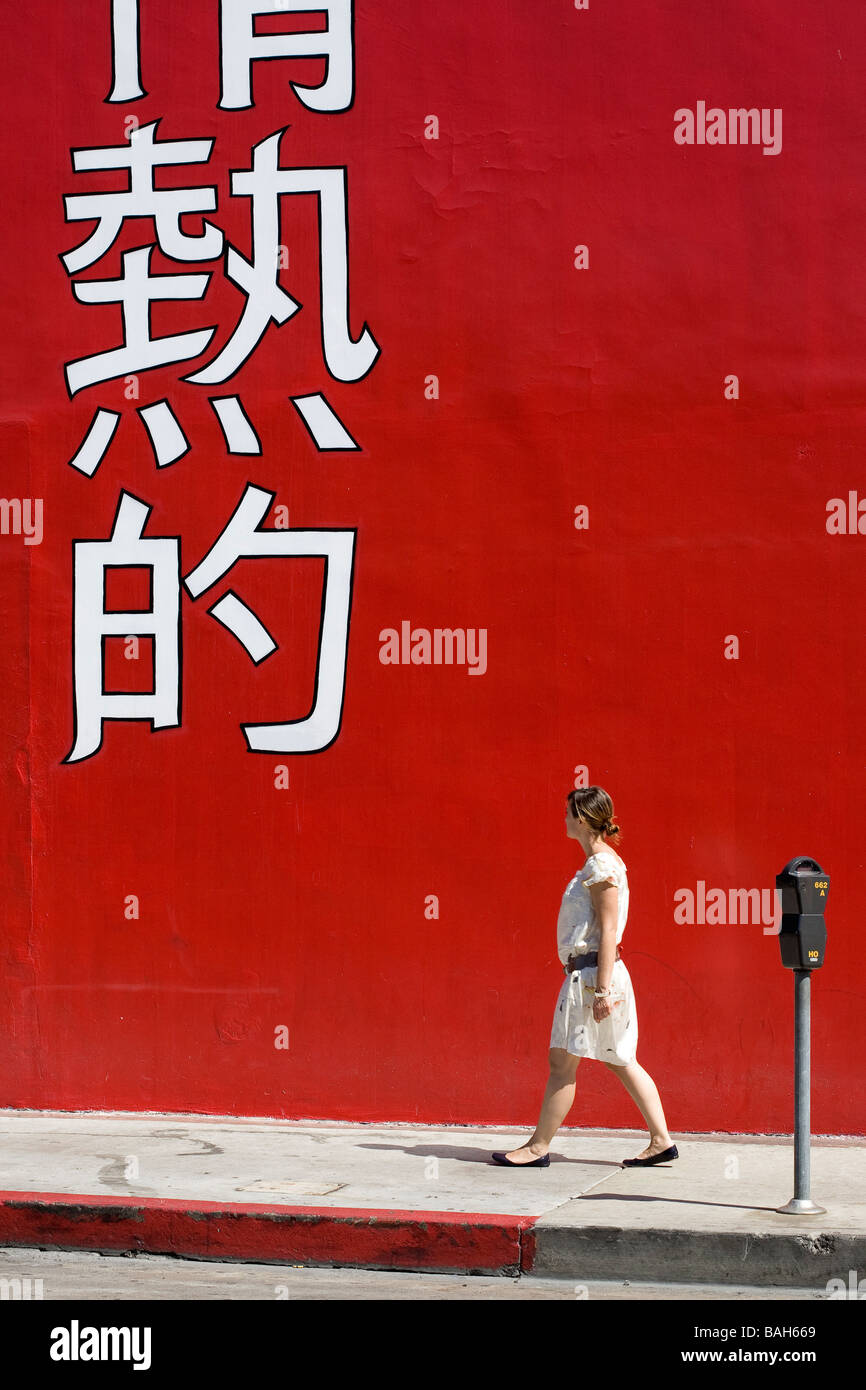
[304, 907]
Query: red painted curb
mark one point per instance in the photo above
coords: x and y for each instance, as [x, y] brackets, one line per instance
[477, 1242]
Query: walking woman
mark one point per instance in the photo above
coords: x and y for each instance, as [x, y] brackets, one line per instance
[595, 1013]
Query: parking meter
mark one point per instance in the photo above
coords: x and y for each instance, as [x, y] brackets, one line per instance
[804, 887]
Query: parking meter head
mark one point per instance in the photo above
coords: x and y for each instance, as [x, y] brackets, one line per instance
[803, 886]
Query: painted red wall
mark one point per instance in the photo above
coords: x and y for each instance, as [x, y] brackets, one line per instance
[305, 907]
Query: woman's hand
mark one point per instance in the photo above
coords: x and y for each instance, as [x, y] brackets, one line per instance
[602, 1007]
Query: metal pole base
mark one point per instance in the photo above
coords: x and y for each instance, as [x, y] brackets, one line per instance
[801, 1206]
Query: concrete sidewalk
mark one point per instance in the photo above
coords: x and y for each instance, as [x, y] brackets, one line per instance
[411, 1197]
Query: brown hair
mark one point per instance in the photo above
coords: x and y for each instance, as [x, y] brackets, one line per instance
[593, 805]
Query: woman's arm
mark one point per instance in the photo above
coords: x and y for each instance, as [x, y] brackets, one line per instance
[605, 899]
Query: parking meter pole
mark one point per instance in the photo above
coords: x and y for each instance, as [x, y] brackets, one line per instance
[802, 1080]
[801, 1203]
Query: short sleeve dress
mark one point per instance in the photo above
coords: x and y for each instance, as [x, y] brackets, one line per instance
[578, 932]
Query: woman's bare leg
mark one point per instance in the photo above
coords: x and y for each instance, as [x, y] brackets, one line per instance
[644, 1093]
[558, 1100]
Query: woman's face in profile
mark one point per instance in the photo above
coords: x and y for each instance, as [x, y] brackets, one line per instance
[571, 820]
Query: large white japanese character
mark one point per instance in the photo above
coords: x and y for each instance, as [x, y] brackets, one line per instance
[345, 358]
[243, 537]
[166, 206]
[126, 548]
[135, 290]
[125, 52]
[240, 47]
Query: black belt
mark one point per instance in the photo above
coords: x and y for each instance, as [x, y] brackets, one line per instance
[580, 962]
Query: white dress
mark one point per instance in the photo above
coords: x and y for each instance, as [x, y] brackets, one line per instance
[578, 932]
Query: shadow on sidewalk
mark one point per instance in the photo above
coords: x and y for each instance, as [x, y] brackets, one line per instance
[679, 1201]
[463, 1155]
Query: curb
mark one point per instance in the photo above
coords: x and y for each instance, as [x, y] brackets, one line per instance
[424, 1241]
[775, 1259]
[419, 1241]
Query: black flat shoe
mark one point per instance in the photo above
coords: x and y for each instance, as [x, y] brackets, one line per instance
[664, 1157]
[543, 1162]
